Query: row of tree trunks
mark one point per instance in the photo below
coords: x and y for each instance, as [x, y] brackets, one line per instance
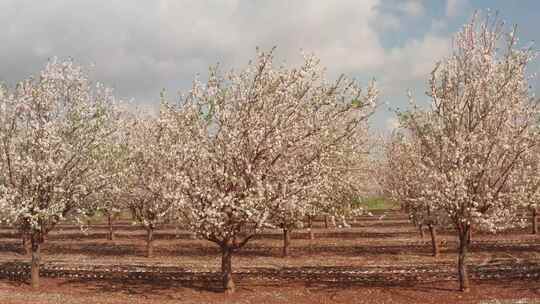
[32, 242]
[464, 240]
[35, 246]
[111, 236]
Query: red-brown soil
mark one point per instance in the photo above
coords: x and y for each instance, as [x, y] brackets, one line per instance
[372, 243]
[107, 292]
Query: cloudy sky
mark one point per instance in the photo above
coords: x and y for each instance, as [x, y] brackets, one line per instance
[142, 46]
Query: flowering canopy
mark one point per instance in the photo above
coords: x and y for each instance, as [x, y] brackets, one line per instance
[476, 138]
[480, 128]
[260, 141]
[148, 183]
[52, 130]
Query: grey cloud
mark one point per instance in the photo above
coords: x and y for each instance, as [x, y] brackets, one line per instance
[140, 47]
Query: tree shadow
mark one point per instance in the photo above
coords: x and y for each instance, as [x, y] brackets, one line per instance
[142, 279]
[382, 223]
[363, 250]
[135, 287]
[12, 247]
[504, 248]
[93, 249]
[254, 249]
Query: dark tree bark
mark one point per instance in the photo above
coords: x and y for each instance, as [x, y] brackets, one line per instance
[228, 247]
[26, 243]
[286, 241]
[463, 275]
[149, 242]
[111, 227]
[326, 221]
[310, 227]
[36, 241]
[434, 243]
[534, 221]
[226, 269]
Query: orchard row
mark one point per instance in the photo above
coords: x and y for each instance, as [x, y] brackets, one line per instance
[268, 146]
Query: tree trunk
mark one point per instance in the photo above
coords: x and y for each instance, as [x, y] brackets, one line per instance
[421, 230]
[26, 244]
[149, 242]
[534, 221]
[469, 235]
[434, 243]
[310, 227]
[226, 269]
[23, 244]
[286, 241]
[36, 259]
[111, 228]
[462, 266]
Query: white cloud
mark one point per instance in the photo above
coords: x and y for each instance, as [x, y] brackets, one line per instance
[339, 32]
[140, 47]
[453, 7]
[410, 8]
[413, 8]
[406, 66]
[391, 12]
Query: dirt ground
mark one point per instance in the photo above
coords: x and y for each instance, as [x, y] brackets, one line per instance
[388, 240]
[109, 292]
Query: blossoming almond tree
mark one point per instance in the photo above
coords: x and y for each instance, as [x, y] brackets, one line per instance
[149, 185]
[51, 132]
[341, 179]
[529, 186]
[111, 207]
[348, 179]
[256, 142]
[402, 181]
[479, 130]
[111, 200]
